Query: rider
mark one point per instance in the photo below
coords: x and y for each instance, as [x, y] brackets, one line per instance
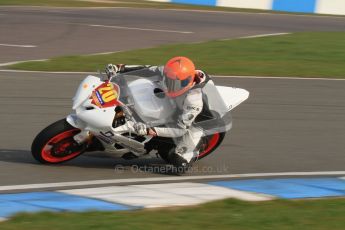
[183, 83]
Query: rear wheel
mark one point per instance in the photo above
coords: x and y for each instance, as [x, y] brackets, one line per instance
[210, 143]
[55, 144]
[207, 145]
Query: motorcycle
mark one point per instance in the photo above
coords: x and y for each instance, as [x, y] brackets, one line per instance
[101, 105]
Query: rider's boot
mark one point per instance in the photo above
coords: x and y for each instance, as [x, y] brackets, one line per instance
[177, 159]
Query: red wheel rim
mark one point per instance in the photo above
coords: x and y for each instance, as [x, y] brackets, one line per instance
[46, 151]
[210, 145]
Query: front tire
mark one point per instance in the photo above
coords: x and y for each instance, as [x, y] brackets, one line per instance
[55, 143]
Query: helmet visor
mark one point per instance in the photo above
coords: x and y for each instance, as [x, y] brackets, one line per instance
[175, 85]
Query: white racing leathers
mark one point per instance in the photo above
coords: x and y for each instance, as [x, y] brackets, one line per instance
[185, 135]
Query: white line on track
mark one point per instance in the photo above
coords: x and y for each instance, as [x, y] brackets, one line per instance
[264, 35]
[16, 62]
[213, 76]
[253, 36]
[102, 53]
[16, 45]
[283, 78]
[163, 179]
[32, 71]
[142, 29]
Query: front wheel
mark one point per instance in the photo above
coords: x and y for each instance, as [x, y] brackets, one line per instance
[55, 144]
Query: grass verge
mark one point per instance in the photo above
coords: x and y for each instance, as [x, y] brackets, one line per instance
[301, 55]
[227, 214]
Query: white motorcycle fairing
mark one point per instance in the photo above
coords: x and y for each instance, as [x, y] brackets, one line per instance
[89, 117]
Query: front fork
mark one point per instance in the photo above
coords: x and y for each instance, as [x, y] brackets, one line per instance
[84, 136]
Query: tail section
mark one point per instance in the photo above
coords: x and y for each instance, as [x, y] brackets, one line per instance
[232, 96]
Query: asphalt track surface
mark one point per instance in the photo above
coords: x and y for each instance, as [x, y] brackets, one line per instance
[286, 125]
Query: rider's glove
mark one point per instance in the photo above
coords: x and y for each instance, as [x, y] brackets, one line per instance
[140, 128]
[111, 70]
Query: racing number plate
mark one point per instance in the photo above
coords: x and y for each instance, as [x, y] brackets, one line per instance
[106, 95]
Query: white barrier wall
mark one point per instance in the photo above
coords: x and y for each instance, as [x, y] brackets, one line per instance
[336, 7]
[330, 7]
[249, 4]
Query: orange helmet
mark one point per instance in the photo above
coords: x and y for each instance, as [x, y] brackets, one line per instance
[179, 73]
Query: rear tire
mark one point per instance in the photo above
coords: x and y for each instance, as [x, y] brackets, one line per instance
[55, 144]
[210, 143]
